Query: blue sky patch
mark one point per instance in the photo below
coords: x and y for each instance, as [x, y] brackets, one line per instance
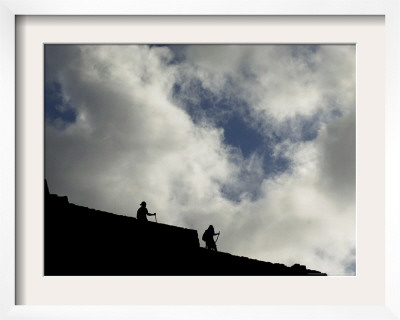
[239, 134]
[57, 111]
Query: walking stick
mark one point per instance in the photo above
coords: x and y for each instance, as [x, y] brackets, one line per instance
[155, 216]
[215, 243]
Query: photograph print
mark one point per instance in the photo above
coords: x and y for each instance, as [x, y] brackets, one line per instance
[200, 160]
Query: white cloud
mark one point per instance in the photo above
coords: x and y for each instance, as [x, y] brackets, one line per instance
[133, 142]
[279, 82]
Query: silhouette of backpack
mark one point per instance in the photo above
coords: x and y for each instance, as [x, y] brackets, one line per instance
[204, 237]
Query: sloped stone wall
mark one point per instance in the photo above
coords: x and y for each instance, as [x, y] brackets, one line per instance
[84, 241]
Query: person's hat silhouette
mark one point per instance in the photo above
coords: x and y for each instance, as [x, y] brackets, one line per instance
[143, 203]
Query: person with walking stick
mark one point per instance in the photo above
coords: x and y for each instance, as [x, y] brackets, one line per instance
[208, 238]
[142, 213]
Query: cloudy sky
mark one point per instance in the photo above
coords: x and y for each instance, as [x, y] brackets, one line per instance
[257, 140]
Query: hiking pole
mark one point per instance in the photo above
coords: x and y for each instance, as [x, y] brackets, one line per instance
[155, 216]
[215, 243]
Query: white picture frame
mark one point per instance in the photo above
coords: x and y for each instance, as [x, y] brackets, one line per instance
[8, 12]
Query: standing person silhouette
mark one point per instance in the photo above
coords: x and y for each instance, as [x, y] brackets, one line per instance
[208, 237]
[142, 212]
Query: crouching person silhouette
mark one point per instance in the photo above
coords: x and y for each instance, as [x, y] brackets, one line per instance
[142, 212]
[208, 238]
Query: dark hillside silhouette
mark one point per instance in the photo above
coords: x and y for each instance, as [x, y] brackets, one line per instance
[83, 241]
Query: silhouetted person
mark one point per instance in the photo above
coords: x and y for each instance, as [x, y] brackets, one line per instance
[142, 212]
[208, 237]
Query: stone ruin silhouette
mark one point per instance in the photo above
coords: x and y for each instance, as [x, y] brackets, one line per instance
[79, 241]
